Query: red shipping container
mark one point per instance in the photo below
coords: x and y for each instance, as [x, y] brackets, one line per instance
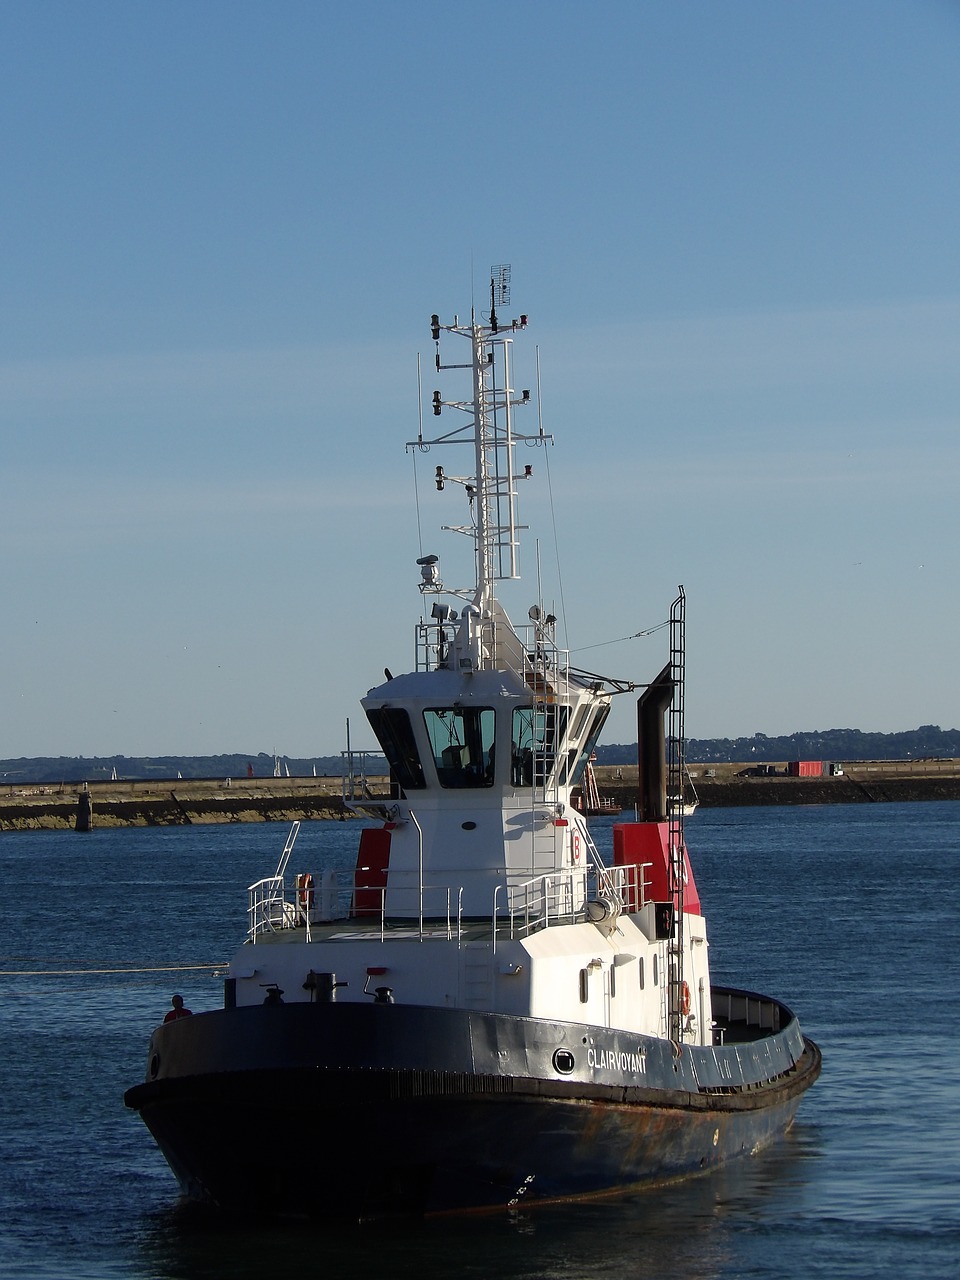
[805, 768]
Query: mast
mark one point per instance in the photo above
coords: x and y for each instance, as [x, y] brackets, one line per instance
[491, 490]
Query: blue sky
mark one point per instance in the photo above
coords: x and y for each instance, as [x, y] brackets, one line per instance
[225, 226]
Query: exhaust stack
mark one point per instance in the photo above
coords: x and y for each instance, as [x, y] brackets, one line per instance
[652, 706]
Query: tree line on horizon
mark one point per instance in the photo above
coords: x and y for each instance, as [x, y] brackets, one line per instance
[830, 744]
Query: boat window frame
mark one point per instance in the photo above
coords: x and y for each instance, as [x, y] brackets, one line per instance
[529, 767]
[576, 768]
[477, 738]
[400, 748]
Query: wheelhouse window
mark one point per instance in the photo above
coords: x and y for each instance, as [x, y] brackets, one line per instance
[462, 742]
[537, 731]
[395, 735]
[577, 761]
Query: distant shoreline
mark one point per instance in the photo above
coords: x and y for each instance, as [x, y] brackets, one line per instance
[861, 782]
[188, 802]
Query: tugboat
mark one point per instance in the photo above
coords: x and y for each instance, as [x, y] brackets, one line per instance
[486, 1012]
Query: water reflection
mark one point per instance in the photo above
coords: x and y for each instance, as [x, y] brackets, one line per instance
[683, 1230]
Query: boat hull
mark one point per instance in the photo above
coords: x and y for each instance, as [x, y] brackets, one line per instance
[259, 1111]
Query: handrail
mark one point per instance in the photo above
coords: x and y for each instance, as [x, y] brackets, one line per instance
[517, 908]
[267, 908]
[413, 818]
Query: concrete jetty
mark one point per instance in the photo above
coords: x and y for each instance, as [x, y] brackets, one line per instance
[184, 802]
[860, 782]
[177, 802]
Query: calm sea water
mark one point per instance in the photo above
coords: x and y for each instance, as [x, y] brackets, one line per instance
[848, 913]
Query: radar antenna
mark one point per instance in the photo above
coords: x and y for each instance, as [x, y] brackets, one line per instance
[499, 290]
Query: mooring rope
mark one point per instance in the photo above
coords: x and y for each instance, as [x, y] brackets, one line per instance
[77, 973]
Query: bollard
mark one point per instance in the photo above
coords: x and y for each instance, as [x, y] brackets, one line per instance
[84, 820]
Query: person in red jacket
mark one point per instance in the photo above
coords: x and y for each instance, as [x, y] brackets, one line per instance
[178, 1011]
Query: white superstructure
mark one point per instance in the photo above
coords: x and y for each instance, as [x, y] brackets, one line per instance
[483, 889]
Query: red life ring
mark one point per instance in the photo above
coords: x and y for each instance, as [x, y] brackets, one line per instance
[684, 999]
[305, 890]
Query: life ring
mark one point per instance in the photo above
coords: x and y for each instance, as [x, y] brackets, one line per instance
[684, 999]
[305, 890]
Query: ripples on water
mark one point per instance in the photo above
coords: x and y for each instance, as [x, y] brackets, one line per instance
[848, 913]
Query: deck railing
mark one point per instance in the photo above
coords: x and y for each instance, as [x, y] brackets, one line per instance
[518, 908]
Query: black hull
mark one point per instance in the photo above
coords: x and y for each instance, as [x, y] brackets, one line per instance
[260, 1110]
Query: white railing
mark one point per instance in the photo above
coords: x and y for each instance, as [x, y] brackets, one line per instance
[365, 775]
[436, 910]
[626, 886]
[555, 898]
[267, 907]
[269, 910]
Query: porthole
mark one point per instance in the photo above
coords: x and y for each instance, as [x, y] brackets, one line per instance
[468, 826]
[564, 1061]
[154, 1066]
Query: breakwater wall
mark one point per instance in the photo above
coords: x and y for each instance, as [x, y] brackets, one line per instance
[175, 803]
[784, 791]
[859, 782]
[198, 801]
